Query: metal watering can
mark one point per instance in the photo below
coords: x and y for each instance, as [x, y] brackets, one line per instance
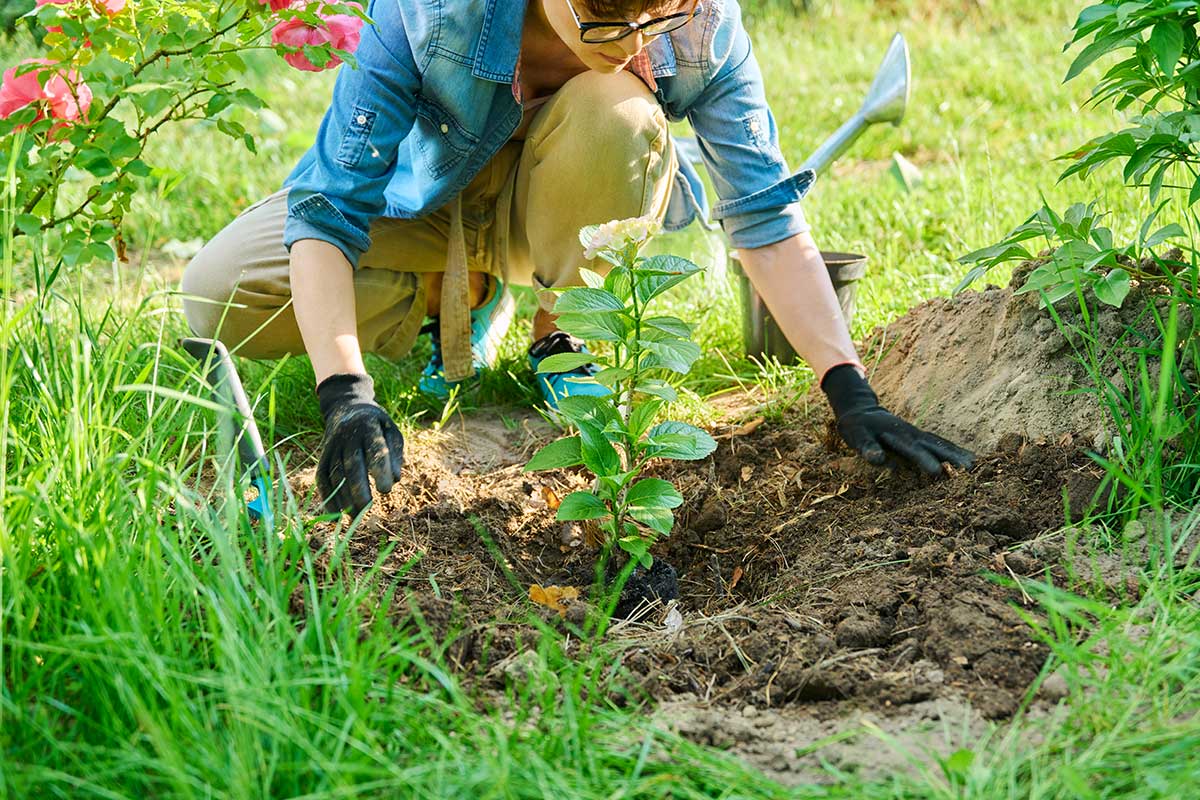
[886, 101]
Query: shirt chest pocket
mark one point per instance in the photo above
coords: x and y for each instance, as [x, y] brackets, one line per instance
[443, 142]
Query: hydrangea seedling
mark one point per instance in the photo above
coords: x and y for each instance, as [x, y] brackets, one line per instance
[618, 435]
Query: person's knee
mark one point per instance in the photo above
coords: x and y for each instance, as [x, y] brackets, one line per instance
[200, 310]
[616, 108]
[207, 291]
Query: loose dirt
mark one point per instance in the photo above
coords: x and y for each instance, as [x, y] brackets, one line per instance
[816, 593]
[983, 364]
[814, 588]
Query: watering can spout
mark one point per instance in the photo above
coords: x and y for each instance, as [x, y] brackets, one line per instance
[888, 96]
[886, 102]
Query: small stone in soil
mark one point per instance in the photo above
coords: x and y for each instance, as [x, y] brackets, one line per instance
[1020, 563]
[1081, 494]
[571, 535]
[807, 685]
[929, 559]
[577, 612]
[712, 516]
[1010, 443]
[1054, 688]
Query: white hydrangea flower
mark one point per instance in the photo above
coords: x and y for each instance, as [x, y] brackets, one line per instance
[619, 233]
[601, 238]
[638, 229]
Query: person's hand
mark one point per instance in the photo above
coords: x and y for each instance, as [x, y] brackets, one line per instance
[360, 439]
[873, 430]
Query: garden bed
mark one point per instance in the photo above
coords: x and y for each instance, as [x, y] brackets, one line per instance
[805, 576]
[810, 583]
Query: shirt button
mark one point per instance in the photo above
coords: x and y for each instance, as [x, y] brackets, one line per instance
[362, 119]
[445, 128]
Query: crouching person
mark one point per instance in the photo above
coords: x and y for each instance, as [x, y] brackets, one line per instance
[462, 156]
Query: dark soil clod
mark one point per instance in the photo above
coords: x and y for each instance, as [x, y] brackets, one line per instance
[659, 584]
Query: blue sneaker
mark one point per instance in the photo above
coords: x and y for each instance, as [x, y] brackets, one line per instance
[489, 323]
[557, 385]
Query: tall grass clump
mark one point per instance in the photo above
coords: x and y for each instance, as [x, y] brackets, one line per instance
[1153, 403]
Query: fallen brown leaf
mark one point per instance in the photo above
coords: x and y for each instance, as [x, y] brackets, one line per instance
[552, 597]
[845, 488]
[737, 576]
[552, 500]
[749, 428]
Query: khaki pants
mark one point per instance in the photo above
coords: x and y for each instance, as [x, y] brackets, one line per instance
[597, 150]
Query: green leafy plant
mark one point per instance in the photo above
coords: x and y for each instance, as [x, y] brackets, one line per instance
[113, 73]
[1080, 255]
[618, 435]
[1158, 74]
[1151, 56]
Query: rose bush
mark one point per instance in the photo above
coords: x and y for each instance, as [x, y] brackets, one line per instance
[115, 72]
[339, 31]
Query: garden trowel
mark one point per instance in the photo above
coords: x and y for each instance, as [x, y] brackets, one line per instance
[236, 420]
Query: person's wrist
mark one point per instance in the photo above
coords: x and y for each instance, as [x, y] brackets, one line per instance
[847, 390]
[342, 388]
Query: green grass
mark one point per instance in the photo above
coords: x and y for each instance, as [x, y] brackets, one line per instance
[152, 644]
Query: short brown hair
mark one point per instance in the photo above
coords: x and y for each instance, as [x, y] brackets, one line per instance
[627, 9]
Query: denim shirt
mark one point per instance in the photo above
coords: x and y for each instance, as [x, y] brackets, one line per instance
[431, 102]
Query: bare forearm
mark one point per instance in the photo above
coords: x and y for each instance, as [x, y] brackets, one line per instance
[793, 281]
[323, 296]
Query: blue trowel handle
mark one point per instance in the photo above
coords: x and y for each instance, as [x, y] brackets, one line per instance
[223, 378]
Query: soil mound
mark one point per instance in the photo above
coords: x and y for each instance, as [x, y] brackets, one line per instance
[975, 367]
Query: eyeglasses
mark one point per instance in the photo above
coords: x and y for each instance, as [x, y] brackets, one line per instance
[601, 32]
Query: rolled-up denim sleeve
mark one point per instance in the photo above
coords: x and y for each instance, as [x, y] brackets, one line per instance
[337, 190]
[739, 142]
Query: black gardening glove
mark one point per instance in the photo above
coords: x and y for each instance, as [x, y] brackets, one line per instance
[360, 438]
[871, 429]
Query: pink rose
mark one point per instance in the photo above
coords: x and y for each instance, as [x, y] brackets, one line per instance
[69, 98]
[277, 5]
[339, 31]
[65, 95]
[345, 31]
[296, 33]
[19, 91]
